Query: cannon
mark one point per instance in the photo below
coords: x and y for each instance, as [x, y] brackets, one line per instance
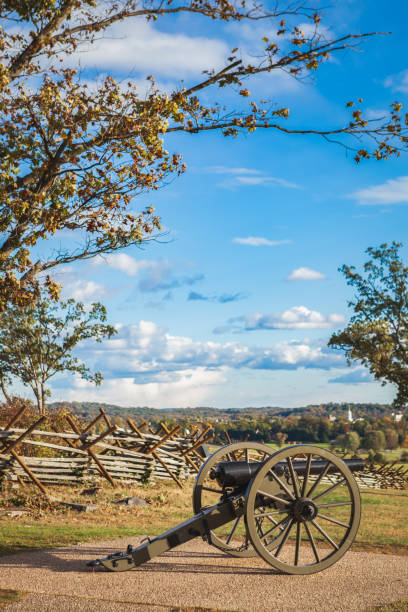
[298, 508]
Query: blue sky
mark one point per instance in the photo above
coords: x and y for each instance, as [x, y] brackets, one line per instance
[234, 305]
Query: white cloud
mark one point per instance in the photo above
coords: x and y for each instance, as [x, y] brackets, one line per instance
[125, 263]
[265, 180]
[226, 170]
[78, 288]
[84, 290]
[398, 82]
[155, 275]
[355, 376]
[297, 317]
[137, 45]
[144, 364]
[192, 388]
[393, 191]
[148, 353]
[305, 274]
[248, 176]
[259, 241]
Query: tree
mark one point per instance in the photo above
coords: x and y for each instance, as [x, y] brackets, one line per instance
[36, 342]
[73, 159]
[391, 438]
[340, 443]
[375, 440]
[352, 441]
[280, 438]
[377, 334]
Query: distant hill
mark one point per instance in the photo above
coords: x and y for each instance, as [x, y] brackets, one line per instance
[89, 409]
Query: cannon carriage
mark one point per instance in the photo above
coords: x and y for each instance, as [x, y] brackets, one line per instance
[297, 508]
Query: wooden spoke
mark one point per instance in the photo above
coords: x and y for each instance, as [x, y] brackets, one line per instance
[219, 491]
[332, 520]
[282, 485]
[265, 535]
[324, 534]
[312, 542]
[334, 504]
[285, 537]
[278, 499]
[297, 547]
[306, 476]
[270, 513]
[340, 482]
[231, 533]
[293, 476]
[319, 478]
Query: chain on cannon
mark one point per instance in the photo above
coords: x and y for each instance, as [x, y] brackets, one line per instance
[297, 508]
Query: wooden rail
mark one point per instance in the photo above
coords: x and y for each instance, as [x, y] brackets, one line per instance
[85, 456]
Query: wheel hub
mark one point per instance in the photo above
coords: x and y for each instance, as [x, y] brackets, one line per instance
[304, 509]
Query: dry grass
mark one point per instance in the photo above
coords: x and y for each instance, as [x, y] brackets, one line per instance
[397, 606]
[384, 525]
[8, 596]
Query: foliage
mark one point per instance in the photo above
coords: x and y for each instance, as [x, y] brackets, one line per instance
[380, 458]
[73, 157]
[377, 334]
[339, 443]
[375, 440]
[391, 438]
[280, 438]
[56, 421]
[36, 342]
[352, 441]
[347, 442]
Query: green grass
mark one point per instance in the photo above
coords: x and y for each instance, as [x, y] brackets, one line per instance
[8, 596]
[397, 606]
[19, 537]
[384, 524]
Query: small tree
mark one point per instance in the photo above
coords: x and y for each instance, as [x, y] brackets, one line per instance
[280, 438]
[36, 343]
[352, 441]
[391, 438]
[375, 439]
[339, 443]
[377, 334]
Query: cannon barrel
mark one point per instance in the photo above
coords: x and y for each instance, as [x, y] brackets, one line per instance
[239, 473]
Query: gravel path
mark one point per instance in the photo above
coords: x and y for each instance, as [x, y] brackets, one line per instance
[197, 575]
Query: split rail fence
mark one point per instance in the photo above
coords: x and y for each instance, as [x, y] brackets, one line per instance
[84, 456]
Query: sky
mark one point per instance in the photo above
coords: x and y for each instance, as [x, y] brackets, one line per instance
[234, 304]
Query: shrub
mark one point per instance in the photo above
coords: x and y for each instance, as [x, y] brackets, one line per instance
[380, 458]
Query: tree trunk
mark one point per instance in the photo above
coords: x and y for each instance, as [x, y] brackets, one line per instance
[43, 402]
[38, 397]
[3, 388]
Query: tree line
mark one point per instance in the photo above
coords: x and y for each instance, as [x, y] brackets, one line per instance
[370, 433]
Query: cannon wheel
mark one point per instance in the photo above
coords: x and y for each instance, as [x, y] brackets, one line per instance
[207, 492]
[319, 517]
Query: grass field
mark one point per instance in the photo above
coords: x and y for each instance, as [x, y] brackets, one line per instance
[384, 525]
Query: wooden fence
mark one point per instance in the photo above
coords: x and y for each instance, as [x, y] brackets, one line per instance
[74, 455]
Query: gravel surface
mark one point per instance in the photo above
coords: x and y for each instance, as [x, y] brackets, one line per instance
[196, 575]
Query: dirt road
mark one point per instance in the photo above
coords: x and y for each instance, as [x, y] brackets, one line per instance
[196, 575]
